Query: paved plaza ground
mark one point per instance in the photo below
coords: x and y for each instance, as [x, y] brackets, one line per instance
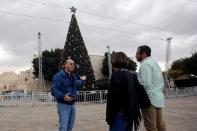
[180, 115]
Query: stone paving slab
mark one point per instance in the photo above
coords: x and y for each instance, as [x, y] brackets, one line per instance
[180, 114]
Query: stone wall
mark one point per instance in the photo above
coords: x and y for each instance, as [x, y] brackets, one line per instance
[26, 80]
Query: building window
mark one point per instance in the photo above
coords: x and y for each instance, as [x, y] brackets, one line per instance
[25, 79]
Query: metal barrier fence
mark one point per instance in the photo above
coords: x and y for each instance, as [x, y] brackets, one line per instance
[92, 96]
[34, 99]
[179, 92]
[98, 96]
[46, 99]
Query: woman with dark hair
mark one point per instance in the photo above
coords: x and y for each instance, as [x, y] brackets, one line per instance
[122, 113]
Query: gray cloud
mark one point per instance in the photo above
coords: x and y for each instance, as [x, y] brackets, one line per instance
[122, 24]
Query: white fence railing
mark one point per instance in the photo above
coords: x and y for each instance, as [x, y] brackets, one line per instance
[179, 92]
[34, 99]
[92, 96]
[98, 96]
[85, 97]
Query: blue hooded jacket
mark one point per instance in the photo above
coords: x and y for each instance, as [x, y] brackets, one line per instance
[64, 83]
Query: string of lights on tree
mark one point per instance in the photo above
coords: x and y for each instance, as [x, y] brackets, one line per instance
[75, 49]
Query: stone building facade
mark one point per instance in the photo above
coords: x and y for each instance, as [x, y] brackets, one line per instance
[26, 80]
[10, 81]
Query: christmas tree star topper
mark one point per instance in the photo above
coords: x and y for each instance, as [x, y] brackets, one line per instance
[73, 9]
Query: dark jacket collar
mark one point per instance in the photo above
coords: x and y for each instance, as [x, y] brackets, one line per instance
[65, 74]
[121, 69]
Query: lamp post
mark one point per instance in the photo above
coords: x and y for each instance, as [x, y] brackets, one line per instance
[168, 53]
[167, 64]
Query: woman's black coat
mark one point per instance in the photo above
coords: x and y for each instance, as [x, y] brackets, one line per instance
[125, 95]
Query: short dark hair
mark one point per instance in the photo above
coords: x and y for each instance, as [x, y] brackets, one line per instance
[145, 49]
[64, 61]
[67, 61]
[119, 59]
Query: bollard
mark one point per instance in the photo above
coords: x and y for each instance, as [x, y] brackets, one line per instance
[101, 97]
[177, 92]
[84, 97]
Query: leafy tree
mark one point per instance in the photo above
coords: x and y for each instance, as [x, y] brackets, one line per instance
[50, 63]
[175, 73]
[193, 64]
[181, 64]
[105, 68]
[187, 65]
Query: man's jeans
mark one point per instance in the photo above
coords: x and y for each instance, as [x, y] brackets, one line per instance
[66, 116]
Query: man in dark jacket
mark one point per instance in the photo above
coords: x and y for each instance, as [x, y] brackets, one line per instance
[64, 89]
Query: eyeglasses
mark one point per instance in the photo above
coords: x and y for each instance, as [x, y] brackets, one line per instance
[71, 63]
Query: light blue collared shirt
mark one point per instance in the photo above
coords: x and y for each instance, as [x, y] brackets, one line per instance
[150, 76]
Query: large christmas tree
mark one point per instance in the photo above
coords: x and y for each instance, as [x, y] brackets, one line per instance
[75, 49]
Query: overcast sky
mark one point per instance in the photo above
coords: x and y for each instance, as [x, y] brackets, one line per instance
[122, 24]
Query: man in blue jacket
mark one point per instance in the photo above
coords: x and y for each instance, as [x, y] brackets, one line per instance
[64, 89]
